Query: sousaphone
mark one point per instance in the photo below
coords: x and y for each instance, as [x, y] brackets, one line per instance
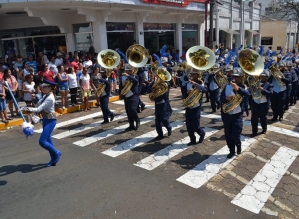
[160, 86]
[108, 59]
[200, 58]
[137, 56]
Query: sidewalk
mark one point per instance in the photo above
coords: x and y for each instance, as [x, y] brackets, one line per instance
[17, 121]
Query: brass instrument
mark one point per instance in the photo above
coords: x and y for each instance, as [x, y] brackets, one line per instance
[232, 104]
[126, 87]
[137, 56]
[160, 86]
[220, 79]
[108, 59]
[254, 84]
[155, 66]
[252, 64]
[200, 58]
[276, 72]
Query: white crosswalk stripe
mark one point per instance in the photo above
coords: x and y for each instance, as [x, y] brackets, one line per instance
[137, 141]
[98, 137]
[254, 195]
[71, 121]
[160, 157]
[207, 169]
[85, 128]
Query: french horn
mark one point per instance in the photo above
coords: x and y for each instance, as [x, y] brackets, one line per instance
[200, 58]
[108, 59]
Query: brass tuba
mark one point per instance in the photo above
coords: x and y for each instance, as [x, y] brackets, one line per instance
[220, 79]
[160, 86]
[108, 59]
[252, 64]
[276, 72]
[200, 58]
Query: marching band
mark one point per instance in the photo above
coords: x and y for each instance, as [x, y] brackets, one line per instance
[232, 83]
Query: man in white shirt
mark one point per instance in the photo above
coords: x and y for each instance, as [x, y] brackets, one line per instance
[52, 65]
[59, 59]
[87, 64]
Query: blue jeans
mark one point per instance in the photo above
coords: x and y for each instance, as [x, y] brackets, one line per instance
[45, 139]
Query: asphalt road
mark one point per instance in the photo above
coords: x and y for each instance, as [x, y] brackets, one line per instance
[93, 182]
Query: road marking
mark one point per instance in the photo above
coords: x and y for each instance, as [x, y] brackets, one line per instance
[86, 127]
[137, 141]
[100, 136]
[158, 158]
[207, 169]
[254, 195]
[68, 122]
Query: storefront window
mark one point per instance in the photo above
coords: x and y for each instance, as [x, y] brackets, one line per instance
[120, 35]
[157, 35]
[83, 36]
[189, 35]
[31, 41]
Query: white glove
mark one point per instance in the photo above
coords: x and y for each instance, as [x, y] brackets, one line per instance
[25, 108]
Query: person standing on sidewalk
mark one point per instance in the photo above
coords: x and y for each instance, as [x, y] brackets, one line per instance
[46, 106]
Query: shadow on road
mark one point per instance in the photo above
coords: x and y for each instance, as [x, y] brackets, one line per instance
[2, 183]
[23, 168]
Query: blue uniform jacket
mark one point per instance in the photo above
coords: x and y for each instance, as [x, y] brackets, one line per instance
[202, 88]
[294, 75]
[107, 88]
[210, 79]
[135, 81]
[242, 91]
[140, 77]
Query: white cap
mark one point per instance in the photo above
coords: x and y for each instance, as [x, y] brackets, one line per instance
[237, 72]
[229, 68]
[128, 67]
[164, 59]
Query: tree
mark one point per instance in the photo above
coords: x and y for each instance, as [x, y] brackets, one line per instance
[285, 10]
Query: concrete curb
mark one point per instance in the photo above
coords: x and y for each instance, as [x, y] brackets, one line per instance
[59, 111]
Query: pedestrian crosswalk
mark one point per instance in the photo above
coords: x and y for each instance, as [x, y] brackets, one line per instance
[88, 135]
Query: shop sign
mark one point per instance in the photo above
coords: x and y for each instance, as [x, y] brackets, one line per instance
[178, 3]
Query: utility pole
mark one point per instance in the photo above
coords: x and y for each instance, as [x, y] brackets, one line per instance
[211, 34]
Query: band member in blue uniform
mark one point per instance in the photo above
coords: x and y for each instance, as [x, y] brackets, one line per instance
[289, 85]
[260, 106]
[183, 80]
[163, 109]
[293, 98]
[279, 93]
[233, 119]
[205, 76]
[213, 89]
[141, 79]
[46, 106]
[131, 98]
[104, 98]
[193, 114]
[228, 69]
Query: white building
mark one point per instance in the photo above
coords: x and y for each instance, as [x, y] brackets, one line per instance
[32, 26]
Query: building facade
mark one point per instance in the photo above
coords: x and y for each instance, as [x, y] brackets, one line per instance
[30, 27]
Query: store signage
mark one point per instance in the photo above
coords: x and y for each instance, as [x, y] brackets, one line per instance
[178, 3]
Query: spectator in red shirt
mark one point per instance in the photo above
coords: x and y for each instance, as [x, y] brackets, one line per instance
[75, 64]
[47, 74]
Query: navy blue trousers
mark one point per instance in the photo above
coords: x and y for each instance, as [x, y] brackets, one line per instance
[288, 96]
[293, 98]
[259, 111]
[163, 112]
[277, 103]
[131, 104]
[233, 125]
[214, 98]
[193, 123]
[104, 101]
[184, 91]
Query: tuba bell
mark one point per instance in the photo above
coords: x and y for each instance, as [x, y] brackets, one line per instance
[252, 64]
[137, 56]
[108, 59]
[200, 58]
[160, 86]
